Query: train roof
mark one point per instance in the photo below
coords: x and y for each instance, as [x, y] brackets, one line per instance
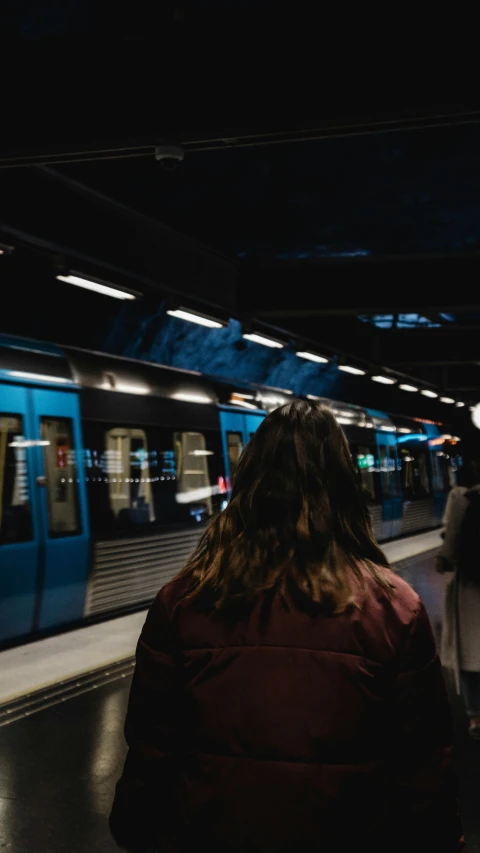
[45, 363]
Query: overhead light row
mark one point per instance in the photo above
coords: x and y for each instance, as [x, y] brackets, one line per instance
[214, 323]
[273, 343]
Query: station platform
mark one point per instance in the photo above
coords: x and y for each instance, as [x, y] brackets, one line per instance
[62, 706]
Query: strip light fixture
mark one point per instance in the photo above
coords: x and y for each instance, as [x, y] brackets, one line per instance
[261, 339]
[384, 380]
[447, 400]
[196, 317]
[97, 286]
[459, 404]
[427, 393]
[311, 356]
[347, 368]
[410, 388]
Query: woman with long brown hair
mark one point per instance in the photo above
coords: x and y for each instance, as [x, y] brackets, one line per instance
[287, 694]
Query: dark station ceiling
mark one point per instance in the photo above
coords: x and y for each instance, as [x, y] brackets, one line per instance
[358, 236]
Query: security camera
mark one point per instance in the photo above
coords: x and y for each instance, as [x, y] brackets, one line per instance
[169, 156]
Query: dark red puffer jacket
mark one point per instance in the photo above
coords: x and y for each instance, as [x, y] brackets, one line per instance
[288, 731]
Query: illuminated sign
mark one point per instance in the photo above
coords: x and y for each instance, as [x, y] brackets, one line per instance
[365, 461]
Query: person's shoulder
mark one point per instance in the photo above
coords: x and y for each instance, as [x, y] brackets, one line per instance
[402, 600]
[460, 491]
[172, 593]
[159, 629]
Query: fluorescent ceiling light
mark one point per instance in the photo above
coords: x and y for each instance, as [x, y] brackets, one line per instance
[388, 428]
[344, 421]
[194, 317]
[408, 387]
[447, 400]
[200, 453]
[403, 429]
[459, 404]
[311, 356]
[348, 369]
[260, 339]
[427, 393]
[88, 284]
[39, 377]
[192, 398]
[384, 380]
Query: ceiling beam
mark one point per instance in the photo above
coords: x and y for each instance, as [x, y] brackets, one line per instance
[365, 123]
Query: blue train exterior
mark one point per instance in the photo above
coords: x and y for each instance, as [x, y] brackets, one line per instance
[109, 469]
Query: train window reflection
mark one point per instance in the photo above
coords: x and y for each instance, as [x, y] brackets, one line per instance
[127, 466]
[441, 471]
[15, 513]
[142, 478]
[414, 471]
[60, 465]
[193, 480]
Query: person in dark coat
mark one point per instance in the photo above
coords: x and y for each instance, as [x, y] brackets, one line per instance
[460, 644]
[288, 696]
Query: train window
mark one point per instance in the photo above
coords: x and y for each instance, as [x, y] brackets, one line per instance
[139, 478]
[441, 471]
[414, 471]
[127, 467]
[60, 465]
[366, 468]
[234, 449]
[193, 480]
[15, 513]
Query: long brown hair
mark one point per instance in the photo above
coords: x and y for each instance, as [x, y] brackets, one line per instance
[296, 519]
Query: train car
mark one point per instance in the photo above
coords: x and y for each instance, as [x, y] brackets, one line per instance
[110, 468]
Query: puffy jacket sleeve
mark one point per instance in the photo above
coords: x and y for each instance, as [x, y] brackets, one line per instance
[143, 804]
[452, 522]
[422, 779]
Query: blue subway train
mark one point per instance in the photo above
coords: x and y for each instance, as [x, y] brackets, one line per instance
[110, 467]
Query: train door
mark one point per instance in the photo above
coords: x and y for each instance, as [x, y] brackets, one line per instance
[61, 507]
[237, 429]
[19, 534]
